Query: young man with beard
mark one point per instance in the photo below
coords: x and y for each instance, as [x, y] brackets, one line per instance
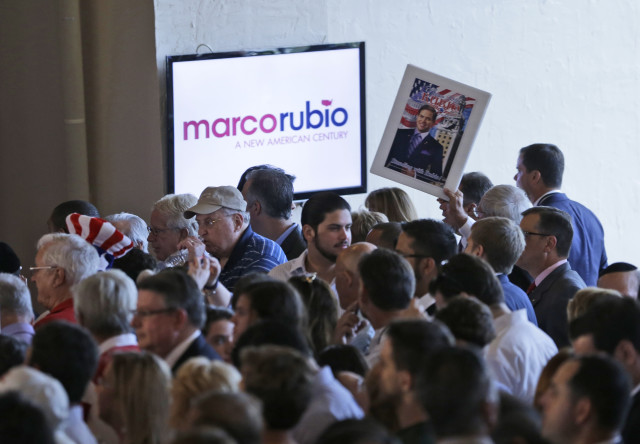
[326, 227]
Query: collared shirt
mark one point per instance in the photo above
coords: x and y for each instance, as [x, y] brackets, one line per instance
[179, 349]
[537, 202]
[286, 233]
[330, 402]
[425, 302]
[518, 354]
[547, 271]
[376, 346]
[123, 340]
[19, 330]
[126, 342]
[294, 267]
[465, 230]
[422, 135]
[75, 427]
[61, 312]
[252, 253]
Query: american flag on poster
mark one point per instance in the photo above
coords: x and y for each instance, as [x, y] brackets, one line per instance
[453, 108]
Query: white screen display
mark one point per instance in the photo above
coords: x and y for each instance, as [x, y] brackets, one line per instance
[298, 111]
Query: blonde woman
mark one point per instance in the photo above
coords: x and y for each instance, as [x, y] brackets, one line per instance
[395, 203]
[133, 396]
[196, 376]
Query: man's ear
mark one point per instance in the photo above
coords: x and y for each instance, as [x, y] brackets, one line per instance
[183, 233]
[428, 267]
[626, 354]
[238, 221]
[180, 318]
[582, 410]
[349, 277]
[536, 177]
[552, 241]
[470, 209]
[308, 232]
[59, 277]
[478, 250]
[254, 208]
[405, 380]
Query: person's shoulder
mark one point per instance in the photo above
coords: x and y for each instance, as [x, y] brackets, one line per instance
[570, 277]
[284, 271]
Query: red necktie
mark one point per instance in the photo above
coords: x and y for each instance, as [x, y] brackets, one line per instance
[532, 286]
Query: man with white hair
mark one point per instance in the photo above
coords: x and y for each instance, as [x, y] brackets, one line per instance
[132, 226]
[168, 227]
[104, 304]
[62, 261]
[16, 312]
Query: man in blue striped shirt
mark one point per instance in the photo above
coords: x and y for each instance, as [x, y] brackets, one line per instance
[223, 226]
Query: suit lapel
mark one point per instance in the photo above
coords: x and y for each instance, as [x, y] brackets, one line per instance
[538, 293]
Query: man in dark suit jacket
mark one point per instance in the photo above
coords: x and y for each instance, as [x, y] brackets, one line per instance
[612, 326]
[269, 196]
[417, 147]
[548, 234]
[540, 169]
[169, 315]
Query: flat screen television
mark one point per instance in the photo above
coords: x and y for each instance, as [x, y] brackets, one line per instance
[301, 109]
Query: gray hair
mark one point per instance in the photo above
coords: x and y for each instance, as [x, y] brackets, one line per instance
[132, 226]
[504, 201]
[76, 256]
[502, 241]
[228, 212]
[15, 296]
[173, 206]
[104, 303]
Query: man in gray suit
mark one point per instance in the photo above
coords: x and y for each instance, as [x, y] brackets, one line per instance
[548, 235]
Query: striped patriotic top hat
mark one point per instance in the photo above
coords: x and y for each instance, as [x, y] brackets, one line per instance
[110, 243]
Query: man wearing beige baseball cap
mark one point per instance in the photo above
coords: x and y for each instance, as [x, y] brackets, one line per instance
[223, 227]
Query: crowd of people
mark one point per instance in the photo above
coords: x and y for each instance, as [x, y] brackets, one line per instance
[223, 320]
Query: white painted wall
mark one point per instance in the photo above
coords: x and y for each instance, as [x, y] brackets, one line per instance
[560, 71]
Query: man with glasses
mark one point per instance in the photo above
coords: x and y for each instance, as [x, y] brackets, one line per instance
[223, 226]
[169, 314]
[425, 244]
[548, 234]
[62, 261]
[168, 227]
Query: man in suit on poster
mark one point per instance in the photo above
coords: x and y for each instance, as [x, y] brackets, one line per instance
[416, 147]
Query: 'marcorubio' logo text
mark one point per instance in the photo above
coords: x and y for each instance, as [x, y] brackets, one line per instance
[268, 123]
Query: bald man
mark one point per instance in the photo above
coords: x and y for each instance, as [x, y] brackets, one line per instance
[351, 328]
[622, 277]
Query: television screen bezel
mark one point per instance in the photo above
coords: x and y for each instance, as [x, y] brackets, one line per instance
[171, 59]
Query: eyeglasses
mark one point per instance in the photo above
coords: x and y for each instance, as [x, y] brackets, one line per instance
[157, 231]
[33, 270]
[147, 313]
[210, 222]
[531, 233]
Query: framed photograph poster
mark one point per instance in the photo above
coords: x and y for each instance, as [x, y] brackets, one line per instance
[429, 134]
